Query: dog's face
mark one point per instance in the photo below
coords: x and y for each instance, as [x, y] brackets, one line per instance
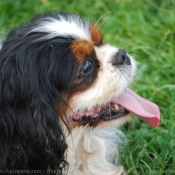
[95, 73]
[106, 72]
[100, 73]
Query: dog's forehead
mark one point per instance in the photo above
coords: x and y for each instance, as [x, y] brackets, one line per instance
[60, 25]
[84, 34]
[70, 25]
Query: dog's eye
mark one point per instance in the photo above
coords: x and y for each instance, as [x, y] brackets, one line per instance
[87, 67]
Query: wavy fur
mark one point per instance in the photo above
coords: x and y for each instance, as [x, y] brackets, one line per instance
[31, 79]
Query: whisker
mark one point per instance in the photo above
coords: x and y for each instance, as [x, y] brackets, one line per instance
[102, 27]
[103, 16]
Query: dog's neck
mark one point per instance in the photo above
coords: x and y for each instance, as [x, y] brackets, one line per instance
[94, 151]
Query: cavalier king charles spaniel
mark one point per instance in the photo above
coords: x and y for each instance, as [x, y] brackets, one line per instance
[63, 92]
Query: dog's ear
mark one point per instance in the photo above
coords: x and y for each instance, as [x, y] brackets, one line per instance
[31, 136]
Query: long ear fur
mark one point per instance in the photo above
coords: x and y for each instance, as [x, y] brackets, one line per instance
[31, 137]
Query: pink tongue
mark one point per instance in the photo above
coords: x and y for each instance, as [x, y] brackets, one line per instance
[145, 110]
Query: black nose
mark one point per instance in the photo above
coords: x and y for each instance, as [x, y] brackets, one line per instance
[121, 58]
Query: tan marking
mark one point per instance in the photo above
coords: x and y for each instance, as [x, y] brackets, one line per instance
[95, 34]
[81, 48]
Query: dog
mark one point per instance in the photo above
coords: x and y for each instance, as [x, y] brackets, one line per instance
[63, 93]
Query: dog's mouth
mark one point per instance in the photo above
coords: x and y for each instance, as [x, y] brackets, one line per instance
[128, 102]
[108, 112]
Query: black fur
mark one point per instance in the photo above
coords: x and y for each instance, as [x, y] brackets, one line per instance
[33, 74]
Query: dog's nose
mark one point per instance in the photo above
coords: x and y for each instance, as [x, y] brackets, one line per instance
[121, 58]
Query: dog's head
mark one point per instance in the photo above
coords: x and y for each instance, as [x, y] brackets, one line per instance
[56, 68]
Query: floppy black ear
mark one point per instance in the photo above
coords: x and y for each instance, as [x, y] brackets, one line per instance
[30, 133]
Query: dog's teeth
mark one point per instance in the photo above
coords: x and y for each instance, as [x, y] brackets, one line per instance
[116, 107]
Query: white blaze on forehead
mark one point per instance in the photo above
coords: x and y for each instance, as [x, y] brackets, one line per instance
[71, 26]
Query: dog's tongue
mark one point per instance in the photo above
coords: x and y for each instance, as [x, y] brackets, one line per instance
[145, 110]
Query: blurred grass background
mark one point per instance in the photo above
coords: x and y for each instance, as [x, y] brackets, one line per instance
[146, 29]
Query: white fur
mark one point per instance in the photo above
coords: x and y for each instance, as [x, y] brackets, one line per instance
[95, 151]
[64, 27]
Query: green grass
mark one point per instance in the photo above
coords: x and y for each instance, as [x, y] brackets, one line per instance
[146, 29]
